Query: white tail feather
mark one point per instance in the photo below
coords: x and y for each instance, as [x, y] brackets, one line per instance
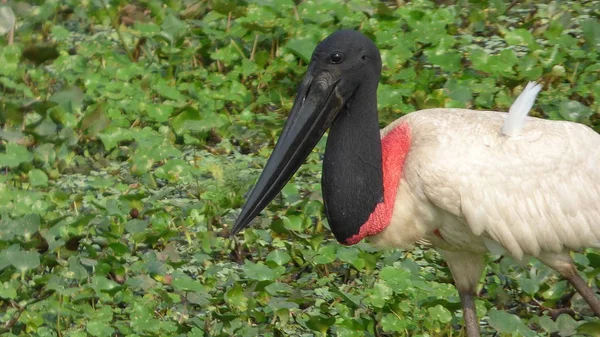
[515, 120]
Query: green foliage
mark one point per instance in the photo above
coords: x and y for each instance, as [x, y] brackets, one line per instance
[130, 132]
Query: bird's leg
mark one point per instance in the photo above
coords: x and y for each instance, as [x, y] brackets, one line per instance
[563, 264]
[584, 290]
[466, 268]
[467, 300]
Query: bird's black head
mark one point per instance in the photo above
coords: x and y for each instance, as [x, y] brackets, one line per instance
[340, 64]
[347, 56]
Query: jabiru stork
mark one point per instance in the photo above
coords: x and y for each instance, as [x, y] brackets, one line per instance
[468, 182]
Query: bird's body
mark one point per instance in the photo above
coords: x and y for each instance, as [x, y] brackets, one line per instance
[468, 182]
[465, 186]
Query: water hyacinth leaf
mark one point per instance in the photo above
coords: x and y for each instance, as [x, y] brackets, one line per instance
[27, 225]
[379, 294]
[70, 99]
[44, 153]
[95, 121]
[10, 84]
[168, 91]
[77, 271]
[591, 33]
[38, 178]
[350, 255]
[258, 271]
[412, 267]
[291, 192]
[148, 29]
[320, 323]
[459, 92]
[589, 328]
[351, 300]
[112, 136]
[280, 257]
[228, 55]
[185, 283]
[60, 32]
[5, 256]
[326, 254]
[159, 113]
[10, 56]
[282, 309]
[594, 259]
[7, 19]
[8, 290]
[519, 37]
[447, 60]
[104, 285]
[440, 314]
[99, 329]
[393, 323]
[174, 27]
[278, 288]
[15, 155]
[504, 322]
[191, 120]
[119, 248]
[581, 259]
[529, 286]
[547, 324]
[507, 323]
[236, 298]
[293, 222]
[574, 111]
[25, 260]
[136, 226]
[302, 47]
[566, 325]
[174, 170]
[396, 278]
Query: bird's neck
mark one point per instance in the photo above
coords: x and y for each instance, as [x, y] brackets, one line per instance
[359, 179]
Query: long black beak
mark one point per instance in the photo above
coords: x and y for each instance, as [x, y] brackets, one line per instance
[318, 101]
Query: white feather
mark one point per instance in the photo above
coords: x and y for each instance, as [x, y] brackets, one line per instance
[515, 120]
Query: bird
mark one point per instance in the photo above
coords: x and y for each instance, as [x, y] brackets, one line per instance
[467, 182]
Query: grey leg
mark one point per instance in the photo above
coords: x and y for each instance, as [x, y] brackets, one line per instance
[563, 264]
[466, 270]
[470, 314]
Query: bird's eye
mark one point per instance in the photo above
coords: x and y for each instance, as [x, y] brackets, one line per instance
[337, 58]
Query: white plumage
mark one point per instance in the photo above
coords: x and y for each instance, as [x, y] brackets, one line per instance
[513, 123]
[483, 181]
[532, 194]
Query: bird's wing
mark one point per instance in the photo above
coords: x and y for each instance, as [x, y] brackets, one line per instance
[536, 192]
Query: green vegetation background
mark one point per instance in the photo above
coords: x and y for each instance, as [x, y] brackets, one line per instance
[131, 130]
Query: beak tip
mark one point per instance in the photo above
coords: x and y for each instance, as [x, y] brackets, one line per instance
[238, 226]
